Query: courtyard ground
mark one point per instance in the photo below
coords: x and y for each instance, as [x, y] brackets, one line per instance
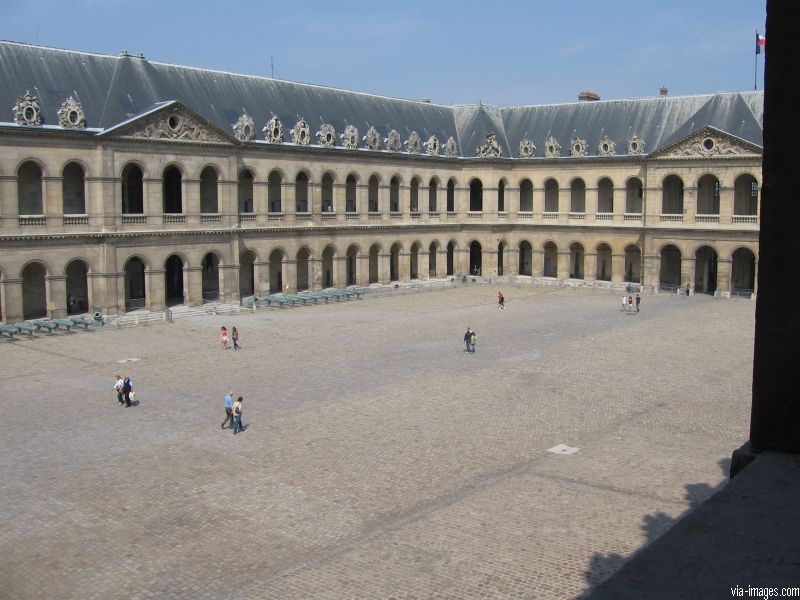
[380, 460]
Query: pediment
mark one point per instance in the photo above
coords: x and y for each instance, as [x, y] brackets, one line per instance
[708, 143]
[172, 122]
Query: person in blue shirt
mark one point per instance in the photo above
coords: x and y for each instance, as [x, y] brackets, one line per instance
[228, 411]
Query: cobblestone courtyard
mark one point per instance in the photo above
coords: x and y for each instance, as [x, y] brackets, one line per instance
[380, 460]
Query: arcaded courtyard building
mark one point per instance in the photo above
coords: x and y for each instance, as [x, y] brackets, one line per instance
[129, 184]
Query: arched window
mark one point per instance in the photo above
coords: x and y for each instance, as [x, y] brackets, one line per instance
[245, 191]
[745, 195]
[374, 188]
[209, 195]
[301, 193]
[394, 195]
[708, 195]
[451, 198]
[274, 183]
[414, 195]
[525, 196]
[577, 200]
[551, 196]
[172, 191]
[34, 291]
[327, 193]
[29, 189]
[350, 194]
[476, 195]
[432, 193]
[672, 196]
[132, 190]
[72, 189]
[605, 196]
[634, 193]
[501, 196]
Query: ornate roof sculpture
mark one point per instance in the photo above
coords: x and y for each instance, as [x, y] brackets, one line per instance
[432, 146]
[636, 145]
[606, 147]
[393, 141]
[326, 136]
[526, 148]
[301, 134]
[373, 139]
[350, 137]
[552, 149]
[413, 144]
[244, 128]
[578, 147]
[27, 110]
[451, 148]
[490, 147]
[70, 115]
[273, 130]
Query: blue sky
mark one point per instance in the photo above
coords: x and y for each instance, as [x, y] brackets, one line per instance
[502, 53]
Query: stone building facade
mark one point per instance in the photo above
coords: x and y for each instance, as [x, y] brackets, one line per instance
[126, 184]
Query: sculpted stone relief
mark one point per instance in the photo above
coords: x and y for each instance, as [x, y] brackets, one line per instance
[244, 128]
[606, 147]
[393, 141]
[451, 148]
[636, 145]
[552, 149]
[707, 146]
[326, 136]
[490, 147]
[578, 147]
[273, 130]
[526, 148]
[413, 143]
[27, 110]
[350, 137]
[373, 139]
[301, 134]
[432, 146]
[177, 126]
[70, 115]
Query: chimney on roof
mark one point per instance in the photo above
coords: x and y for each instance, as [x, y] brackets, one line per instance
[664, 91]
[425, 100]
[588, 97]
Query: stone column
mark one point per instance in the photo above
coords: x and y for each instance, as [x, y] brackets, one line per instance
[404, 265]
[724, 267]
[362, 270]
[537, 262]
[617, 267]
[260, 202]
[590, 266]
[591, 203]
[289, 275]
[56, 286]
[261, 277]
[9, 207]
[511, 263]
[229, 282]
[12, 300]
[288, 206]
[563, 264]
[193, 284]
[154, 289]
[315, 273]
[192, 204]
[651, 271]
[383, 267]
[689, 204]
[726, 205]
[52, 199]
[538, 203]
[339, 271]
[489, 263]
[153, 204]
[687, 271]
[564, 198]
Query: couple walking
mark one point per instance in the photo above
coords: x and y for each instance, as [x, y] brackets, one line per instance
[233, 413]
[124, 389]
[234, 336]
[470, 339]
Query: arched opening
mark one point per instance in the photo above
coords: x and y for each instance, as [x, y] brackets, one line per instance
[414, 195]
[525, 196]
[576, 261]
[669, 277]
[413, 261]
[77, 287]
[501, 248]
[244, 187]
[394, 195]
[301, 193]
[209, 193]
[743, 275]
[173, 281]
[247, 274]
[577, 196]
[433, 188]
[352, 265]
[501, 196]
[451, 196]
[132, 190]
[303, 257]
[134, 284]
[708, 195]
[525, 258]
[475, 259]
[603, 262]
[551, 196]
[327, 267]
[451, 258]
[73, 189]
[634, 193]
[372, 194]
[29, 189]
[705, 270]
[550, 260]
[210, 277]
[394, 262]
[275, 272]
[633, 264]
[34, 291]
[350, 194]
[672, 196]
[605, 196]
[745, 195]
[274, 183]
[433, 249]
[172, 191]
[327, 193]
[476, 195]
[374, 260]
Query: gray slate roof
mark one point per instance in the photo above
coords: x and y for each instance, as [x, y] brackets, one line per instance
[113, 89]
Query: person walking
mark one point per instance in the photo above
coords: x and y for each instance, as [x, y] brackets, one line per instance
[501, 301]
[630, 302]
[118, 388]
[638, 302]
[468, 339]
[127, 388]
[235, 338]
[228, 411]
[474, 340]
[237, 416]
[624, 304]
[223, 337]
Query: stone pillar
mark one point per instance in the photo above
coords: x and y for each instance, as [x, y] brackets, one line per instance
[362, 200]
[288, 199]
[261, 275]
[153, 204]
[154, 289]
[591, 204]
[403, 265]
[193, 284]
[229, 282]
[726, 205]
[383, 267]
[52, 200]
[687, 271]
[652, 270]
[489, 263]
[192, 202]
[537, 262]
[362, 269]
[564, 198]
[441, 262]
[511, 265]
[563, 264]
[423, 264]
[724, 268]
[12, 300]
[315, 273]
[538, 203]
[617, 267]
[689, 204]
[260, 202]
[56, 286]
[102, 288]
[590, 266]
[339, 272]
[289, 275]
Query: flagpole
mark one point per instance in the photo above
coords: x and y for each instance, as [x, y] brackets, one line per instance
[755, 66]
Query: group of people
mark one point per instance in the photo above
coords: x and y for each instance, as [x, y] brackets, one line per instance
[470, 339]
[233, 413]
[224, 337]
[123, 386]
[628, 303]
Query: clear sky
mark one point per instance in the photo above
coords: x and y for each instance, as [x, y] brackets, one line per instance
[501, 53]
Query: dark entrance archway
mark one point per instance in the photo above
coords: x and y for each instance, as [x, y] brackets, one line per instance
[173, 281]
[451, 251]
[77, 287]
[475, 259]
[327, 267]
[394, 263]
[603, 262]
[576, 261]
[210, 277]
[705, 270]
[34, 291]
[550, 260]
[525, 258]
[433, 249]
[275, 271]
[501, 248]
[352, 261]
[303, 257]
[134, 284]
[476, 195]
[633, 264]
[743, 274]
[247, 274]
[374, 259]
[670, 272]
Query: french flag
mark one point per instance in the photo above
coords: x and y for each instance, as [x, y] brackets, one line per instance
[761, 44]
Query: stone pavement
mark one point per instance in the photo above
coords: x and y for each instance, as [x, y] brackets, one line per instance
[380, 460]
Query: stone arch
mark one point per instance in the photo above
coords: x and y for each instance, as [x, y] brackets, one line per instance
[374, 263]
[394, 261]
[351, 264]
[174, 287]
[708, 190]
[244, 191]
[328, 255]
[743, 271]
[475, 258]
[73, 188]
[274, 192]
[501, 257]
[634, 195]
[705, 270]
[351, 193]
[172, 189]
[551, 196]
[550, 259]
[132, 189]
[247, 273]
[30, 200]
[604, 262]
[328, 181]
[413, 194]
[475, 195]
[301, 183]
[373, 193]
[577, 196]
[413, 260]
[211, 276]
[672, 195]
[451, 258]
[633, 263]
[501, 195]
[576, 259]
[77, 286]
[135, 289]
[525, 195]
[303, 258]
[394, 194]
[525, 258]
[34, 290]
[745, 195]
[433, 193]
[433, 249]
[276, 270]
[451, 197]
[605, 195]
[669, 277]
[209, 190]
